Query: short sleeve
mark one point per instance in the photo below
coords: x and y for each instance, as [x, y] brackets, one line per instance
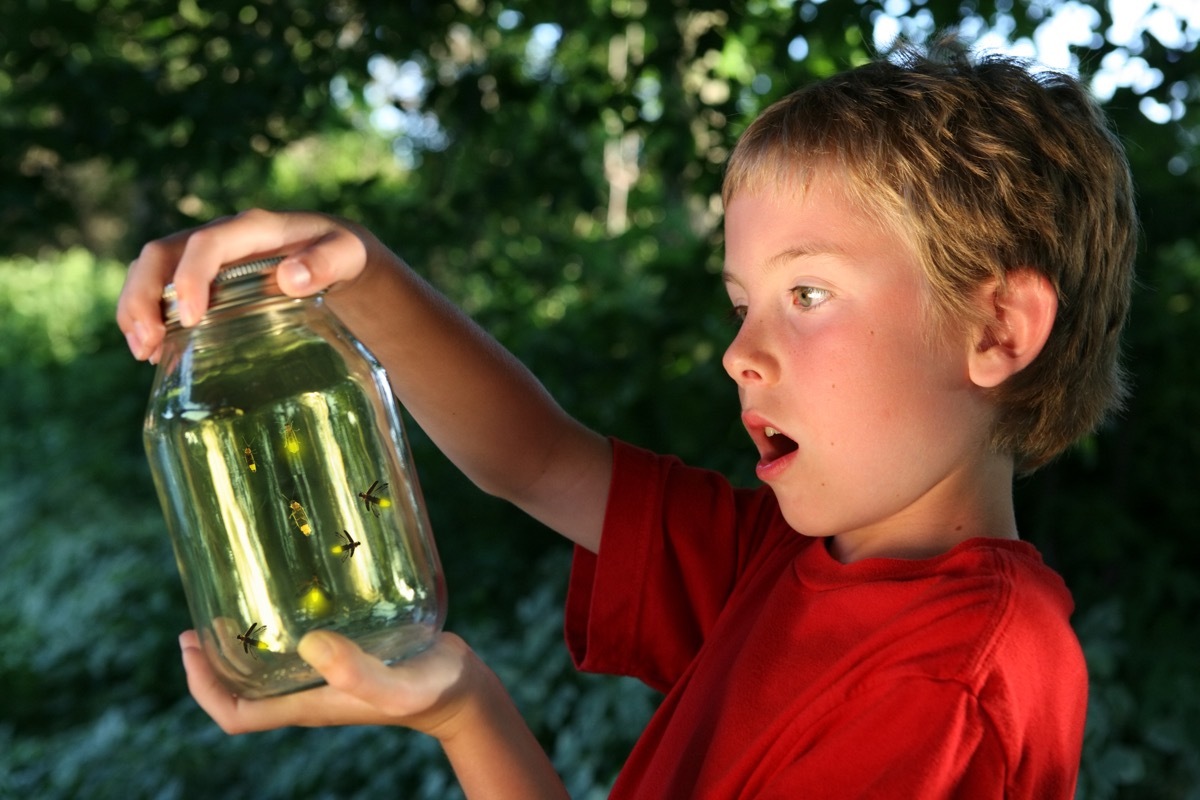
[674, 542]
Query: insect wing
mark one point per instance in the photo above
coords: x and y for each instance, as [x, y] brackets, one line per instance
[345, 550]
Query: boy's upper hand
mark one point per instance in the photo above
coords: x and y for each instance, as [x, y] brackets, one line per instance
[320, 250]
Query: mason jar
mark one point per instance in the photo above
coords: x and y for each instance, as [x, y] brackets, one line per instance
[285, 475]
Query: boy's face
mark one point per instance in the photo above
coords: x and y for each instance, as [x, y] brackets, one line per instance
[868, 427]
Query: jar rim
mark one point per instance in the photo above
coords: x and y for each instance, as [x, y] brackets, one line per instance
[234, 283]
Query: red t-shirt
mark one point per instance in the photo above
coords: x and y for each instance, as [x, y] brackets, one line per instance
[790, 675]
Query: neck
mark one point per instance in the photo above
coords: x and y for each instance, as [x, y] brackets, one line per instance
[972, 503]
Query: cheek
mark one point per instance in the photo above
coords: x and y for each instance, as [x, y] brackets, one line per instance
[886, 377]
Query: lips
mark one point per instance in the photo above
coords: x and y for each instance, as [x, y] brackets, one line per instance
[772, 443]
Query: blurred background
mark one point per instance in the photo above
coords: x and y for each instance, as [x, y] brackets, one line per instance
[554, 167]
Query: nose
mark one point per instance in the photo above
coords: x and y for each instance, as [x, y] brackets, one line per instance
[747, 359]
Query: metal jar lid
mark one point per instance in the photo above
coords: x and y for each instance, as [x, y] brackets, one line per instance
[233, 285]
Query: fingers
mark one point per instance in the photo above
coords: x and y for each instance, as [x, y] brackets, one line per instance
[204, 686]
[320, 250]
[314, 707]
[139, 308]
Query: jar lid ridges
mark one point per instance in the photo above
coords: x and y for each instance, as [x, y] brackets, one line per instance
[232, 272]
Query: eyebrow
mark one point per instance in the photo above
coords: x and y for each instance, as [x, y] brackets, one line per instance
[790, 253]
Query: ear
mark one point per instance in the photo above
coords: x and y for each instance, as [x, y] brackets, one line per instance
[1020, 316]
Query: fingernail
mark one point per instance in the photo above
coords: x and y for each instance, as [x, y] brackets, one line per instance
[135, 344]
[296, 273]
[140, 333]
[315, 650]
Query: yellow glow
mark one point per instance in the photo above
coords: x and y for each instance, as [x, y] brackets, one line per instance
[346, 549]
[300, 518]
[315, 602]
[290, 440]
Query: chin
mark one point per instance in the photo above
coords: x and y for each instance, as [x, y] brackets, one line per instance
[805, 524]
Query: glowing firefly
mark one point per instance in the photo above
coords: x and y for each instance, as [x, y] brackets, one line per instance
[291, 441]
[346, 548]
[373, 500]
[249, 638]
[299, 517]
[313, 598]
[249, 455]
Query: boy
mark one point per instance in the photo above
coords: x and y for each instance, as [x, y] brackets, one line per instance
[931, 263]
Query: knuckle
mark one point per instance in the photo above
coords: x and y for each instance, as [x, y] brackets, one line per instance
[152, 251]
[343, 675]
[201, 238]
[254, 214]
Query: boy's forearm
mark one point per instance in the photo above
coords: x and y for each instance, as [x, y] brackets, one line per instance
[494, 754]
[477, 402]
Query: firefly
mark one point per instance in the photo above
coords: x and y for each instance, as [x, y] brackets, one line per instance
[372, 500]
[249, 455]
[291, 441]
[313, 598]
[346, 549]
[249, 638]
[298, 515]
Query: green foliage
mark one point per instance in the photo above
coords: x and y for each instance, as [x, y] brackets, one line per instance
[565, 197]
[50, 311]
[1130, 744]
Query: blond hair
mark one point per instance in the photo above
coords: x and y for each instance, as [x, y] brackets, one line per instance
[984, 166]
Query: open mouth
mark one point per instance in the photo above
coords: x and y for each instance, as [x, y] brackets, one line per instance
[776, 444]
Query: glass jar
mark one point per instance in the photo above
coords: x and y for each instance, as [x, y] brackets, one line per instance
[283, 469]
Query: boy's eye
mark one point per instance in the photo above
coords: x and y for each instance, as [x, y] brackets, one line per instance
[737, 315]
[809, 296]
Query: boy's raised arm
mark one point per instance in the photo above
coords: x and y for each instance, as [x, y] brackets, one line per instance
[474, 399]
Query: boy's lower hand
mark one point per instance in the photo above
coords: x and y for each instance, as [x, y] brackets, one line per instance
[430, 692]
[446, 692]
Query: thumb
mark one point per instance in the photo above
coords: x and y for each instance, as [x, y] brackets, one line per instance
[345, 667]
[337, 256]
[332, 655]
[422, 691]
[294, 276]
